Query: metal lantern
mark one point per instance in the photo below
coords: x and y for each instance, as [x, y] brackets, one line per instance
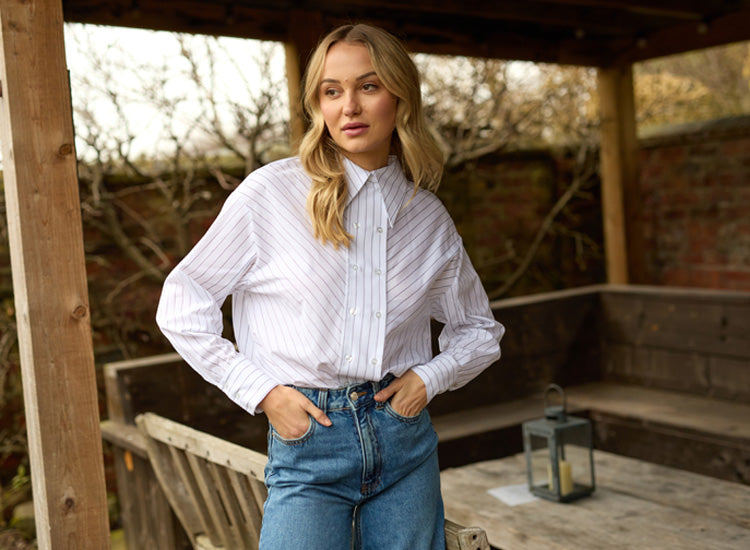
[559, 453]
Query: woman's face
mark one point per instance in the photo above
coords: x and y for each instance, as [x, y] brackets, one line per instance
[359, 112]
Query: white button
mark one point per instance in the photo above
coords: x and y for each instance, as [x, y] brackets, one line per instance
[355, 267]
[377, 314]
[356, 225]
[380, 229]
[353, 311]
[374, 361]
[378, 272]
[348, 358]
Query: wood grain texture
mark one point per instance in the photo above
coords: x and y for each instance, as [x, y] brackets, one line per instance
[49, 279]
[635, 505]
[194, 469]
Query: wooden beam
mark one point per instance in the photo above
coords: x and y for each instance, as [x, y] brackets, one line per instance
[580, 32]
[49, 279]
[695, 35]
[618, 165]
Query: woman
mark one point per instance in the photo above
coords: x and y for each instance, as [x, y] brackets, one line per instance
[336, 262]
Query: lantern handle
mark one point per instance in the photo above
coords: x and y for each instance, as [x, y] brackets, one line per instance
[555, 411]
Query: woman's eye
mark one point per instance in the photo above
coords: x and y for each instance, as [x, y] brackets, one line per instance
[330, 92]
[369, 87]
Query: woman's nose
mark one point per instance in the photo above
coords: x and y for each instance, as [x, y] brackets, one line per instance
[351, 105]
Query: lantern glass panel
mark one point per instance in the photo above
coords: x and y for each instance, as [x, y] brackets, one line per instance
[539, 456]
[574, 453]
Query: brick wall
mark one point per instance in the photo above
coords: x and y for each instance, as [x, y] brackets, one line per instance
[695, 215]
[499, 203]
[695, 220]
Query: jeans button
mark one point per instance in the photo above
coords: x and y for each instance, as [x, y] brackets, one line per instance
[353, 396]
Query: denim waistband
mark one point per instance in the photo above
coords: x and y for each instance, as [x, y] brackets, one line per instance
[353, 395]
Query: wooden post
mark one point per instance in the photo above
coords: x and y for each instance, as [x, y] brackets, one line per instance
[294, 83]
[618, 167]
[305, 30]
[49, 279]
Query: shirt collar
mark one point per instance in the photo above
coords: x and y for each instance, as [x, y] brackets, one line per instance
[394, 188]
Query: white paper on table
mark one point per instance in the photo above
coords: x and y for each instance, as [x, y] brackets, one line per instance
[513, 495]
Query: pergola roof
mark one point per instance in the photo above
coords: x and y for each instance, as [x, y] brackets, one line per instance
[581, 32]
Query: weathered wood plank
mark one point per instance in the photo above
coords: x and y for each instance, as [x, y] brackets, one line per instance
[613, 517]
[209, 502]
[145, 513]
[174, 474]
[687, 322]
[138, 386]
[464, 538]
[124, 436]
[730, 378]
[701, 414]
[249, 501]
[544, 333]
[711, 455]
[202, 477]
[49, 279]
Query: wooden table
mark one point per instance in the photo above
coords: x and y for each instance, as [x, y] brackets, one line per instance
[636, 505]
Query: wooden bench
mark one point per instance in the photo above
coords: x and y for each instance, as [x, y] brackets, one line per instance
[664, 374]
[216, 487]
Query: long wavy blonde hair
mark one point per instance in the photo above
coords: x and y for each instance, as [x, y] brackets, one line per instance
[416, 148]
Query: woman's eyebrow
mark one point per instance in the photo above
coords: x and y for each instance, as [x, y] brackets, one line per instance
[361, 77]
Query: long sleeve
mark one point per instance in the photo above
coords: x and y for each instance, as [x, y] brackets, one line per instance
[189, 312]
[470, 340]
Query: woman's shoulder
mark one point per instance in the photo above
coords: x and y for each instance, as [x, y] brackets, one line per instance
[431, 206]
[283, 171]
[275, 179]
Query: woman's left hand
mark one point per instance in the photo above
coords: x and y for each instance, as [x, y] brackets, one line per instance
[408, 393]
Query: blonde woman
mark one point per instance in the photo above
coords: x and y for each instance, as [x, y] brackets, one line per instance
[336, 261]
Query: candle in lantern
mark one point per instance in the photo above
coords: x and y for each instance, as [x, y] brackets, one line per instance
[566, 477]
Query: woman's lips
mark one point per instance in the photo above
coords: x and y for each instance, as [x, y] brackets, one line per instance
[354, 129]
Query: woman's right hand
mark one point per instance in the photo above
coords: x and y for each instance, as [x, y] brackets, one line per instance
[288, 409]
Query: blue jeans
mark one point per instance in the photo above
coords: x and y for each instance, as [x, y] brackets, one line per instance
[370, 481]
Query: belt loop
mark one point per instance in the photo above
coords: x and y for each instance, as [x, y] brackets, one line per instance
[323, 400]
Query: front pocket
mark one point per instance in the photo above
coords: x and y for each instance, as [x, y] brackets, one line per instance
[296, 441]
[400, 417]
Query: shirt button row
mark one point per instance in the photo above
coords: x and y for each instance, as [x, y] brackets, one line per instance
[355, 267]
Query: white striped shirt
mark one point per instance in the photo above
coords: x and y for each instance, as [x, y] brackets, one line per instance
[307, 314]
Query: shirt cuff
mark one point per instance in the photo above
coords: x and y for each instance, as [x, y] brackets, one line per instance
[248, 386]
[438, 374]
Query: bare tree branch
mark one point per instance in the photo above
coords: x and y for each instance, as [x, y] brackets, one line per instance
[587, 170]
